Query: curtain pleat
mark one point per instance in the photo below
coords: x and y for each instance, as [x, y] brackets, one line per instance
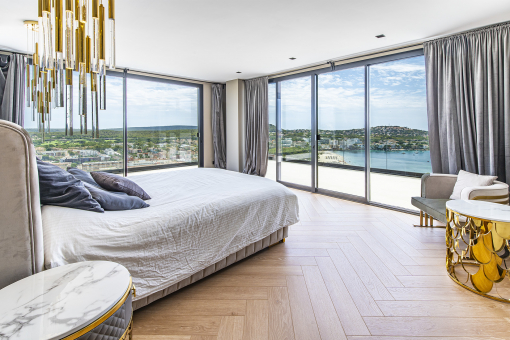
[468, 102]
[218, 126]
[13, 102]
[256, 126]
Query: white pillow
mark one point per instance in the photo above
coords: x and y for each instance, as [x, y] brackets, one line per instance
[467, 179]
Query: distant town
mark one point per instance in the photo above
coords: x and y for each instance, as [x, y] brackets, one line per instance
[147, 146]
[385, 138]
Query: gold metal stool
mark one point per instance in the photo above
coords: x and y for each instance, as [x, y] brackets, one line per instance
[477, 247]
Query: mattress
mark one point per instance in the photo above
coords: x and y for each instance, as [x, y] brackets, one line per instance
[196, 218]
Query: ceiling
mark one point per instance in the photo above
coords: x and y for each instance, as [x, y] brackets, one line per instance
[211, 40]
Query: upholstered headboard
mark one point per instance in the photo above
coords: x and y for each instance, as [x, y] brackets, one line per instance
[21, 237]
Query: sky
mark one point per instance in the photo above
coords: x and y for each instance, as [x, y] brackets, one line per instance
[149, 104]
[397, 97]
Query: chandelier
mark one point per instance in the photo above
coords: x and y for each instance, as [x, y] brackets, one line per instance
[69, 36]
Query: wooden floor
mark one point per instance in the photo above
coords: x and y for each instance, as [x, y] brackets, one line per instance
[346, 271]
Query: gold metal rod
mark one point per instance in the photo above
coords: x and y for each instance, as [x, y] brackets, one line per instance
[46, 6]
[87, 60]
[95, 9]
[77, 56]
[111, 9]
[102, 46]
[77, 10]
[59, 28]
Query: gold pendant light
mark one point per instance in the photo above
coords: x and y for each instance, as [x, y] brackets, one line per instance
[69, 35]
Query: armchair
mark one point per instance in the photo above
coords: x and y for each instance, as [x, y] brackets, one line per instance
[437, 188]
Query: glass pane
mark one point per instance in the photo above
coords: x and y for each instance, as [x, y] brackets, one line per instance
[341, 126]
[81, 150]
[162, 125]
[296, 131]
[271, 166]
[399, 148]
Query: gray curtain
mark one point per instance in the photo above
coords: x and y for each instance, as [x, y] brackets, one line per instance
[218, 126]
[12, 107]
[256, 126]
[468, 102]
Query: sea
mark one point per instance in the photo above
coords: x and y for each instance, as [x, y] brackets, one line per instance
[410, 161]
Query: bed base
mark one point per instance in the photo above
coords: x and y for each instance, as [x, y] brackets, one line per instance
[274, 238]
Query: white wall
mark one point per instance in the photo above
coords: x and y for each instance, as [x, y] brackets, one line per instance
[235, 124]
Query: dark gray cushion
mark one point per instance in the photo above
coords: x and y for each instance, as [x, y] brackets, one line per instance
[114, 182]
[435, 207]
[83, 176]
[58, 187]
[115, 200]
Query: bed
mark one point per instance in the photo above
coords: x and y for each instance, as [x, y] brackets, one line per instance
[199, 222]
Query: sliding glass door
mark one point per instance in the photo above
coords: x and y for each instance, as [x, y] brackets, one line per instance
[399, 151]
[358, 131]
[341, 131]
[295, 135]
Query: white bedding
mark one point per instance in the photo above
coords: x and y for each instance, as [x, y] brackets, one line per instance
[196, 218]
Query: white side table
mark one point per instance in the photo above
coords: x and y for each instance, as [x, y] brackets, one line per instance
[477, 247]
[86, 300]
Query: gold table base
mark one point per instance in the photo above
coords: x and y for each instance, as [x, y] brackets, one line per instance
[478, 255]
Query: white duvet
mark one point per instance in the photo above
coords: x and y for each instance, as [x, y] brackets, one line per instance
[196, 218]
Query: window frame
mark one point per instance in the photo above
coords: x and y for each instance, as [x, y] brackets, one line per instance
[200, 118]
[313, 74]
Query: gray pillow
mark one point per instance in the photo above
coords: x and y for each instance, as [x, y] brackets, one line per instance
[83, 176]
[58, 187]
[114, 182]
[114, 201]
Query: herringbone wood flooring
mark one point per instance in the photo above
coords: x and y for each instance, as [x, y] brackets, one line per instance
[346, 271]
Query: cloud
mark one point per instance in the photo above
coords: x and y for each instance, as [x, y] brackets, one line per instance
[149, 104]
[397, 97]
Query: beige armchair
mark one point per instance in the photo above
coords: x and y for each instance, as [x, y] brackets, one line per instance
[437, 188]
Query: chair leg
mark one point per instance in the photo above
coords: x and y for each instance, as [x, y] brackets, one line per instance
[426, 220]
[421, 218]
[431, 221]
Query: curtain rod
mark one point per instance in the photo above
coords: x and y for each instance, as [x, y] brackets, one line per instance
[349, 60]
[404, 48]
[474, 30]
[162, 76]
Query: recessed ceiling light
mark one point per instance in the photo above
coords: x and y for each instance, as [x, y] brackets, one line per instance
[238, 72]
[380, 36]
[292, 58]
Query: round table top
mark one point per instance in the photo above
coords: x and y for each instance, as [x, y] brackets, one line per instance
[480, 209]
[58, 302]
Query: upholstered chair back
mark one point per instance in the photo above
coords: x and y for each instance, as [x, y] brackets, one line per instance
[21, 242]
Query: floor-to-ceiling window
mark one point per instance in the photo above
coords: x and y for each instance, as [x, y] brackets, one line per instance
[341, 131]
[368, 121]
[162, 124]
[81, 150]
[295, 141]
[163, 119]
[399, 147]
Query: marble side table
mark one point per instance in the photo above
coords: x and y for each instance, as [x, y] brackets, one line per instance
[86, 300]
[477, 247]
